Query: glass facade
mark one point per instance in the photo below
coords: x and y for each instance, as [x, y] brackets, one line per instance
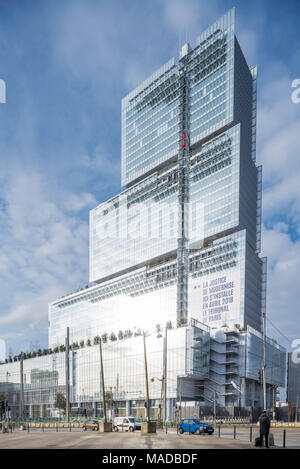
[293, 378]
[275, 358]
[138, 225]
[45, 376]
[179, 246]
[150, 114]
[211, 79]
[214, 183]
[150, 119]
[132, 303]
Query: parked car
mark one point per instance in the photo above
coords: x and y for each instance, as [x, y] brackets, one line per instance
[126, 424]
[195, 426]
[91, 424]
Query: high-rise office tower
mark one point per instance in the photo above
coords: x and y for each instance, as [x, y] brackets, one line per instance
[182, 241]
[193, 196]
[179, 246]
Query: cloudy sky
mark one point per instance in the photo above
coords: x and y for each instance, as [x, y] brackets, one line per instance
[67, 64]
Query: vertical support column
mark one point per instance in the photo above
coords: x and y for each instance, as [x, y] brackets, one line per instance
[21, 388]
[128, 408]
[183, 192]
[243, 392]
[165, 374]
[67, 365]
[170, 409]
[180, 399]
[102, 382]
[252, 393]
[146, 379]
[265, 363]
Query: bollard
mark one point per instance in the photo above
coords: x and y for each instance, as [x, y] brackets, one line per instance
[43, 427]
[250, 433]
[56, 427]
[219, 431]
[189, 428]
[70, 428]
[177, 426]
[166, 427]
[234, 432]
[28, 427]
[284, 436]
[122, 427]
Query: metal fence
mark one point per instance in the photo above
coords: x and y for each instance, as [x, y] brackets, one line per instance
[283, 437]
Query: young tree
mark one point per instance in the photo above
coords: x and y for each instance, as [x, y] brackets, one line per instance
[96, 340]
[3, 399]
[181, 322]
[112, 337]
[60, 402]
[104, 337]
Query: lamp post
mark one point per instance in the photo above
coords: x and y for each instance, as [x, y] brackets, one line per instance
[146, 378]
[161, 393]
[265, 362]
[296, 413]
[274, 404]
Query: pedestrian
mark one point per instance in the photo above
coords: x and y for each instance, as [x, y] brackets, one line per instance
[264, 428]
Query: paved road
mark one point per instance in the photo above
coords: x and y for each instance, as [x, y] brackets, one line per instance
[96, 440]
[243, 433]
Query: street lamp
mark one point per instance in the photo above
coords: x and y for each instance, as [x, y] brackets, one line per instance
[161, 393]
[274, 387]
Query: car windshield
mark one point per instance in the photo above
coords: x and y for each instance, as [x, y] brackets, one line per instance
[132, 420]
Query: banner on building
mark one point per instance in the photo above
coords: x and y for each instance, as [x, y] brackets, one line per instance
[215, 299]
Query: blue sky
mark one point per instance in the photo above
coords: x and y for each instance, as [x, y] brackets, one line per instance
[67, 64]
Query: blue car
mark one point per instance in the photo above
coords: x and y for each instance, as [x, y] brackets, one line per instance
[195, 426]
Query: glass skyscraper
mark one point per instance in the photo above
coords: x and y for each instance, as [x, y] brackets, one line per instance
[180, 245]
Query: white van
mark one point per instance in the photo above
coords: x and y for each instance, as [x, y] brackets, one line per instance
[125, 424]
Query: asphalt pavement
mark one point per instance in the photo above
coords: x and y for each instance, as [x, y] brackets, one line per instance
[95, 440]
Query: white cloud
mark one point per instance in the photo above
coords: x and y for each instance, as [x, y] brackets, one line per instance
[188, 18]
[44, 249]
[283, 283]
[278, 150]
[77, 202]
[278, 143]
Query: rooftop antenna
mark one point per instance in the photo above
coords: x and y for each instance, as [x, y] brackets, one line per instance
[179, 41]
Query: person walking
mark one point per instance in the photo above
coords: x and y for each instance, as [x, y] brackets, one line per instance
[264, 428]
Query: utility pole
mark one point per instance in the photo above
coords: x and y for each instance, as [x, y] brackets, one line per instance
[22, 388]
[146, 378]
[180, 398]
[274, 402]
[265, 363]
[67, 362]
[102, 381]
[165, 374]
[215, 407]
[111, 402]
[296, 413]
[161, 397]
